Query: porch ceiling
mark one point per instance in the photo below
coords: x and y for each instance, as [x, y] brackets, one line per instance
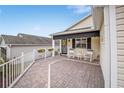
[92, 33]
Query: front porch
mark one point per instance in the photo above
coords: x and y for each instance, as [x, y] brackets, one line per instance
[61, 72]
[81, 45]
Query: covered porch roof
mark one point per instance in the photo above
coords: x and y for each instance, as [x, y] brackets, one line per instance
[77, 33]
[83, 28]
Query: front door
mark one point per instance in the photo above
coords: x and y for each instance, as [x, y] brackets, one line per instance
[64, 46]
[88, 43]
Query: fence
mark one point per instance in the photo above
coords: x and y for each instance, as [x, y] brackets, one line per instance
[11, 71]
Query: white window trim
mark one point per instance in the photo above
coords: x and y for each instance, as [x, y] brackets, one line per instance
[86, 43]
[81, 41]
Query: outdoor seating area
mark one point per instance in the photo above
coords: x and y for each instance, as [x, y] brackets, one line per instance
[82, 54]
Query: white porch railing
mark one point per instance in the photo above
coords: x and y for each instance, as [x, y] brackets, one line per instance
[11, 71]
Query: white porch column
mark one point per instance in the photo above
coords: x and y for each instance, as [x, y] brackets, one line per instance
[68, 46]
[110, 73]
[106, 72]
[113, 43]
[60, 46]
[53, 46]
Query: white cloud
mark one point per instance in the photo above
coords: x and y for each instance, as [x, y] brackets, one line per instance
[79, 9]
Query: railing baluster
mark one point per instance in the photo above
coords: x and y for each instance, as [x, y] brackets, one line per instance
[15, 69]
[9, 75]
[33, 55]
[3, 78]
[6, 75]
[45, 55]
[22, 63]
[12, 72]
[19, 66]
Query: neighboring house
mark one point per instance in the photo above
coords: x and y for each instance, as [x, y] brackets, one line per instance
[13, 46]
[103, 32]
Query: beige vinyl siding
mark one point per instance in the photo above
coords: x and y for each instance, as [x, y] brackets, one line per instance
[95, 45]
[88, 22]
[120, 21]
[120, 44]
[102, 51]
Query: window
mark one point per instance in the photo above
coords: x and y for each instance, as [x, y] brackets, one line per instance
[78, 43]
[88, 43]
[82, 43]
[73, 43]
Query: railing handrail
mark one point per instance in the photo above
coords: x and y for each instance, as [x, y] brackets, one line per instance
[18, 58]
[11, 73]
[10, 61]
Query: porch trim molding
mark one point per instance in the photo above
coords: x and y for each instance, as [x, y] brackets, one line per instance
[113, 42]
[77, 35]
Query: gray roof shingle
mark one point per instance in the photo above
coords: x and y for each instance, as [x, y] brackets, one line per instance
[26, 39]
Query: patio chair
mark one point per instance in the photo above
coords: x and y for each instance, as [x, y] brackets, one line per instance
[71, 53]
[88, 55]
[78, 53]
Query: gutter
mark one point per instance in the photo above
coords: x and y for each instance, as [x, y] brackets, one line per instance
[10, 45]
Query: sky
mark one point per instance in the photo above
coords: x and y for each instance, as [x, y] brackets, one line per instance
[41, 20]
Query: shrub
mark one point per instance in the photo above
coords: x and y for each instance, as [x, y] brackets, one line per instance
[41, 50]
[1, 62]
[50, 49]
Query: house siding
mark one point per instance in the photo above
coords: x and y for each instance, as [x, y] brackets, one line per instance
[95, 46]
[16, 51]
[88, 22]
[120, 44]
[102, 50]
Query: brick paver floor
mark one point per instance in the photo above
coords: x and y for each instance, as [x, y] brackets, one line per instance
[64, 73]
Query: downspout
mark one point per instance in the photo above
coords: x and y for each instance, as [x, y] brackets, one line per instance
[113, 46]
[109, 46]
